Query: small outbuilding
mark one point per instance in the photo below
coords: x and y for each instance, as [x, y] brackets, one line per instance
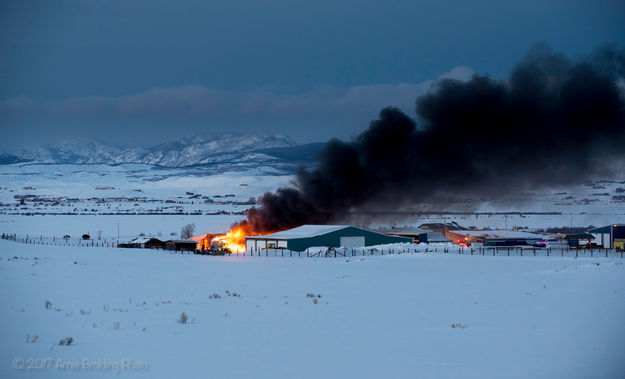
[144, 243]
[418, 235]
[181, 245]
[413, 233]
[580, 240]
[305, 236]
[433, 237]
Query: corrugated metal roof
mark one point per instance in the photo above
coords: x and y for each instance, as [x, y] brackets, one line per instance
[498, 234]
[304, 231]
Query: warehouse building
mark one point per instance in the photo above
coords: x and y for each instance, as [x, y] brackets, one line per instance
[609, 236]
[305, 236]
[418, 235]
[433, 237]
[404, 232]
[494, 237]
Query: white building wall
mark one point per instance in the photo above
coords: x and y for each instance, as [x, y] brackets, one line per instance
[602, 239]
[253, 245]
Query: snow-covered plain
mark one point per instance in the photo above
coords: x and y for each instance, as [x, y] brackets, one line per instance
[383, 316]
[76, 198]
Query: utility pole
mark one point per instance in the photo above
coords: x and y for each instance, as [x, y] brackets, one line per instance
[118, 232]
[505, 222]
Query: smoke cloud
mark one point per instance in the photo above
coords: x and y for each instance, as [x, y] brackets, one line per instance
[544, 124]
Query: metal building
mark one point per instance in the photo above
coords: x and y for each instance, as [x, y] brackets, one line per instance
[495, 237]
[609, 236]
[305, 236]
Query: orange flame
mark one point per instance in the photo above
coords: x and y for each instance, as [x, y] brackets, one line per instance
[234, 240]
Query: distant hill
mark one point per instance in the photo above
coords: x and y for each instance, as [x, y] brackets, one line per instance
[223, 151]
[10, 159]
[296, 154]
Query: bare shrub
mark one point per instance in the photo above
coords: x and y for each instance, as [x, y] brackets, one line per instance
[315, 301]
[66, 341]
[459, 325]
[214, 296]
[48, 304]
[187, 231]
[183, 318]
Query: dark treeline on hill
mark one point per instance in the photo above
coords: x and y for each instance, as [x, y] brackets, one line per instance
[543, 124]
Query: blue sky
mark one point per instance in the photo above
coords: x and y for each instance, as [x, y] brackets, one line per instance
[146, 71]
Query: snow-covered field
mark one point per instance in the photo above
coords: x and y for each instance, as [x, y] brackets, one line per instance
[74, 199]
[409, 315]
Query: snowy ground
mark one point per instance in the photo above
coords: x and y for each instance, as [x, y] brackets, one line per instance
[76, 199]
[391, 316]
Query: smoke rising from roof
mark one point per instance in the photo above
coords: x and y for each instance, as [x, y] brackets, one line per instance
[544, 124]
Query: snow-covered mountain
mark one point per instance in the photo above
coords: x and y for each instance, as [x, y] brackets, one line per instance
[196, 150]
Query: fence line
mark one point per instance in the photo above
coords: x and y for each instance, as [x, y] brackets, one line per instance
[342, 253]
[491, 251]
[53, 241]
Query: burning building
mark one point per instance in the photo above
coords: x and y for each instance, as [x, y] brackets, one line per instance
[204, 240]
[544, 125]
[306, 236]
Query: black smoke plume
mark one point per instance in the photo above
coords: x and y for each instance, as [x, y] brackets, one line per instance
[543, 124]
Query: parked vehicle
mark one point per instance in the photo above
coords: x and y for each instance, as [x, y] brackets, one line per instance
[216, 248]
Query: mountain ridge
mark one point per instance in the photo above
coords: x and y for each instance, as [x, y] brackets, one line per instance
[204, 149]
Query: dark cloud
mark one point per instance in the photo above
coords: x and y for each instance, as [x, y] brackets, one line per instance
[542, 125]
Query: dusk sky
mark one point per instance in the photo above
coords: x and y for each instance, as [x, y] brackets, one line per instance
[142, 72]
